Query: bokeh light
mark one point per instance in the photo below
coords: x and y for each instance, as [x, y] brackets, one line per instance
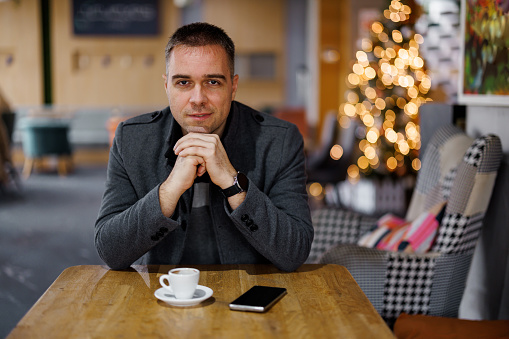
[315, 189]
[388, 84]
[336, 152]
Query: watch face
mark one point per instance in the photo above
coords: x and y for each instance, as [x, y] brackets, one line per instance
[243, 181]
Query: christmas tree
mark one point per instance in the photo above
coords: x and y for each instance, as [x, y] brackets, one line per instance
[388, 84]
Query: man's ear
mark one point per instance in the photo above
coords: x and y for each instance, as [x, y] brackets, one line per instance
[235, 82]
[165, 81]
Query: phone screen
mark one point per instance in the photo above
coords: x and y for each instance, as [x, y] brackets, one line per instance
[258, 299]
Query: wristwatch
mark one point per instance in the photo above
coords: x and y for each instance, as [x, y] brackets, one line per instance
[240, 184]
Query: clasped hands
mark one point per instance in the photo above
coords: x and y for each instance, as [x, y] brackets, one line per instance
[197, 153]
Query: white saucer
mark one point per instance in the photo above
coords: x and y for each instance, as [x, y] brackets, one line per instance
[202, 293]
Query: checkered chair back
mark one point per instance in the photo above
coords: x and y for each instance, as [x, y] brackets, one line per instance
[460, 171]
[433, 283]
[439, 164]
[334, 226]
[469, 197]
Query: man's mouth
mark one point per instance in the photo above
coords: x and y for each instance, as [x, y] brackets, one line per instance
[200, 116]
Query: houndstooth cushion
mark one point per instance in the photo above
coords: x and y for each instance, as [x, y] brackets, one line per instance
[458, 233]
[491, 149]
[473, 155]
[394, 282]
[407, 285]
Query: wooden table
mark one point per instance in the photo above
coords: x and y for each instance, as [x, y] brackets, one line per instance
[323, 301]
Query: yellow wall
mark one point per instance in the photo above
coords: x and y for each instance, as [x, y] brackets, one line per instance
[20, 38]
[254, 26]
[335, 36]
[80, 76]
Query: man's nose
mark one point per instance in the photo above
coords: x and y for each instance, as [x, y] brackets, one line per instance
[198, 95]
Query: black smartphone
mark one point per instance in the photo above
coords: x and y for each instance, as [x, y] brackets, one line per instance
[258, 299]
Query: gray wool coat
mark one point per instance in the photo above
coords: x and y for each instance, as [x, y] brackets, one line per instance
[272, 225]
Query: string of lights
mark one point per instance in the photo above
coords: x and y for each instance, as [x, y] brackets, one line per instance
[387, 86]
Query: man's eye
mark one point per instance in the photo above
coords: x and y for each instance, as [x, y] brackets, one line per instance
[214, 82]
[183, 83]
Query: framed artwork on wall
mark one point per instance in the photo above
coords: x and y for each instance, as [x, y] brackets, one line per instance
[115, 17]
[484, 61]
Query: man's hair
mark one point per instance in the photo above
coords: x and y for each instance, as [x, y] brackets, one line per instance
[201, 34]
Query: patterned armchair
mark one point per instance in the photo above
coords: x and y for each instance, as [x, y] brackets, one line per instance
[455, 170]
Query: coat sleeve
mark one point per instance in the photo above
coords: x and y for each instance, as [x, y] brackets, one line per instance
[277, 222]
[128, 226]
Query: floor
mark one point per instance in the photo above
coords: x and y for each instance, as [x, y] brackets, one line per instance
[45, 227]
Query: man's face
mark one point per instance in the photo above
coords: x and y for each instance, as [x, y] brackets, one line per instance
[200, 89]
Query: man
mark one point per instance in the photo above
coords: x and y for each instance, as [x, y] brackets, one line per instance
[207, 180]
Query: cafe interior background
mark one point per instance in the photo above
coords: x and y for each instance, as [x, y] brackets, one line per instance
[297, 59]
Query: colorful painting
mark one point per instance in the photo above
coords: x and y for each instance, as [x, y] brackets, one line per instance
[484, 75]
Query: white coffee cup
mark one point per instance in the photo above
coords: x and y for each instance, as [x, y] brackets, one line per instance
[181, 281]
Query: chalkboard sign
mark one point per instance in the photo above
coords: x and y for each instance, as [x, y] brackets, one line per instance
[115, 17]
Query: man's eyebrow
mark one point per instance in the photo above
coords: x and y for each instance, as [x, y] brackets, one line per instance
[180, 76]
[215, 76]
[206, 76]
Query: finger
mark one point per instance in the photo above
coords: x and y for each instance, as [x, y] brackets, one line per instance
[202, 169]
[199, 165]
[185, 172]
[199, 161]
[196, 139]
[202, 152]
[192, 144]
[188, 137]
[190, 163]
[196, 143]
[204, 136]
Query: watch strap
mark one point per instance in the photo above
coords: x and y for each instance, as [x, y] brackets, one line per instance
[240, 183]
